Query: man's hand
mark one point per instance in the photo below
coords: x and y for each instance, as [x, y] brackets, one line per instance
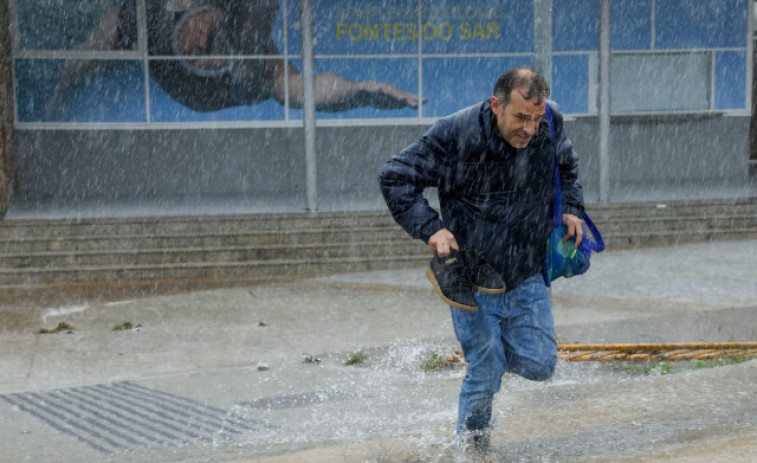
[381, 95]
[574, 228]
[442, 241]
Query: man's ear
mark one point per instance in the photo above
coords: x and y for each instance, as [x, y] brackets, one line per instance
[495, 104]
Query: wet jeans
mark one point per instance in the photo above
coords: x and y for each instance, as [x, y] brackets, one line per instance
[511, 332]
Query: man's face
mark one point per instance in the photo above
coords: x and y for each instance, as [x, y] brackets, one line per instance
[519, 120]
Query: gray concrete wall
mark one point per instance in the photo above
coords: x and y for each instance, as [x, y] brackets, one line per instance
[663, 158]
[256, 169]
[652, 158]
[703, 157]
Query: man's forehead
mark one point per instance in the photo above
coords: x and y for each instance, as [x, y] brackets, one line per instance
[521, 103]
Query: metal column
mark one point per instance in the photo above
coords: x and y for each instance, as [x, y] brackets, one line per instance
[604, 100]
[308, 106]
[543, 38]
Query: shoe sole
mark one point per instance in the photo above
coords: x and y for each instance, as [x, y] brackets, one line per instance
[490, 290]
[457, 305]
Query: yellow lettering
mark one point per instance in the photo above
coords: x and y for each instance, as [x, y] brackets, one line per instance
[446, 30]
[492, 29]
[426, 28]
[399, 31]
[355, 27]
[370, 32]
[478, 31]
[340, 30]
[412, 31]
[465, 30]
[394, 12]
[384, 30]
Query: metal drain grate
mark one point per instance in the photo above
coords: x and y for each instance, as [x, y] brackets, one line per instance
[124, 416]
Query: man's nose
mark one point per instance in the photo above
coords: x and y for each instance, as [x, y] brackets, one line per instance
[530, 127]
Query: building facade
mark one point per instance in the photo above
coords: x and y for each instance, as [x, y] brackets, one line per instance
[196, 106]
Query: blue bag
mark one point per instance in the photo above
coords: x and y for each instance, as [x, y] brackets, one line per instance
[563, 258]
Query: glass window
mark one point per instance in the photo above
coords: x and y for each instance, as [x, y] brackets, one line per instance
[730, 80]
[660, 82]
[631, 24]
[700, 23]
[451, 84]
[51, 90]
[63, 25]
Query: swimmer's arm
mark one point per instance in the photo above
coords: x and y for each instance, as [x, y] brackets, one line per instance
[334, 93]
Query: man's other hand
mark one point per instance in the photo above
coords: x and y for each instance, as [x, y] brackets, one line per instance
[574, 228]
[442, 241]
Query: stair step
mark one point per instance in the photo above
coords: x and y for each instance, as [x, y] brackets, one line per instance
[124, 241]
[633, 240]
[229, 270]
[51, 252]
[20, 229]
[674, 224]
[117, 258]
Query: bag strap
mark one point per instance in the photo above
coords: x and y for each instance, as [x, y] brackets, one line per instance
[557, 203]
[599, 246]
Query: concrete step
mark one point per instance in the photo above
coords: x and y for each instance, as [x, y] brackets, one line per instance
[68, 246]
[687, 223]
[619, 241]
[47, 236]
[205, 271]
[127, 258]
[231, 239]
[25, 229]
[237, 247]
[744, 206]
[203, 225]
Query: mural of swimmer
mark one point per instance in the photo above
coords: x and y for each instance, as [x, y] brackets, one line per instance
[214, 30]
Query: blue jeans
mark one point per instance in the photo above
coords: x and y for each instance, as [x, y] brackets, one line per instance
[512, 332]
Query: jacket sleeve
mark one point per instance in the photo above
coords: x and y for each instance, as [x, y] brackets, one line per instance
[403, 178]
[572, 193]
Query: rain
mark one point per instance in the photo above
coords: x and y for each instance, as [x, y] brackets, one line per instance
[199, 265]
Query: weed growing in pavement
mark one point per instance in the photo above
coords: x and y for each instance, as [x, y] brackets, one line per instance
[649, 368]
[123, 326]
[712, 363]
[662, 368]
[356, 358]
[437, 362]
[62, 327]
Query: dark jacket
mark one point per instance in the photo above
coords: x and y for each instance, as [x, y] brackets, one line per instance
[495, 199]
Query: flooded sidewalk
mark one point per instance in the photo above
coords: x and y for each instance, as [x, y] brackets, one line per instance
[340, 368]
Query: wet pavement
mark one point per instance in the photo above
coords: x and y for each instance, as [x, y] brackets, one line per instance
[256, 372]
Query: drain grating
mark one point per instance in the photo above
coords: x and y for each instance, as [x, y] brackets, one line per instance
[125, 416]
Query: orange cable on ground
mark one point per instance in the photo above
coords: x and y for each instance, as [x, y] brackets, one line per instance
[655, 351]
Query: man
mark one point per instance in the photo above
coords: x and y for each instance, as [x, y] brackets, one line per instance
[213, 30]
[493, 165]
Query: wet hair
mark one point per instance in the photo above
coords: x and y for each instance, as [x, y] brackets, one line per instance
[521, 77]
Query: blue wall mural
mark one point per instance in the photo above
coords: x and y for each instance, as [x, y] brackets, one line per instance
[374, 59]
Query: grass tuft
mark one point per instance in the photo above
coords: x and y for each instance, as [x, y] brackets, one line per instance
[123, 326]
[356, 358]
[62, 327]
[437, 362]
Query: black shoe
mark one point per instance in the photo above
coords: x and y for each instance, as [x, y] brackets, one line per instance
[450, 278]
[482, 275]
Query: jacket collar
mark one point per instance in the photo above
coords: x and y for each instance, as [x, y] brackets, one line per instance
[496, 144]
